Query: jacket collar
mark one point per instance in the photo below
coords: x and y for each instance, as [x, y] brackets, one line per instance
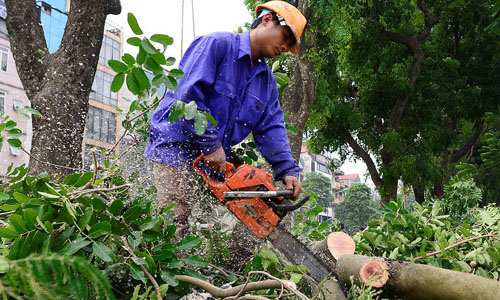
[245, 48]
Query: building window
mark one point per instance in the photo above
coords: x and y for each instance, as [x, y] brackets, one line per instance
[17, 105]
[2, 102]
[4, 59]
[101, 125]
[14, 151]
[110, 49]
[101, 89]
[322, 168]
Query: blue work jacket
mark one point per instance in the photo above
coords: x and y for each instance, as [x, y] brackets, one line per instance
[220, 78]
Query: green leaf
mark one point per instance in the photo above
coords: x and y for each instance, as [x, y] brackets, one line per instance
[142, 79]
[141, 56]
[10, 124]
[116, 207]
[195, 261]
[394, 254]
[41, 224]
[296, 278]
[275, 67]
[4, 265]
[176, 111]
[170, 61]
[71, 179]
[163, 39]
[132, 213]
[137, 273]
[14, 133]
[4, 196]
[190, 110]
[117, 82]
[176, 73]
[102, 251]
[21, 198]
[487, 219]
[132, 22]
[16, 143]
[85, 219]
[269, 255]
[75, 245]
[159, 58]
[169, 278]
[200, 123]
[32, 111]
[133, 84]
[134, 41]
[171, 83]
[18, 223]
[84, 179]
[153, 66]
[147, 46]
[292, 129]
[252, 155]
[188, 242]
[129, 59]
[99, 229]
[210, 118]
[30, 218]
[49, 196]
[117, 66]
[8, 233]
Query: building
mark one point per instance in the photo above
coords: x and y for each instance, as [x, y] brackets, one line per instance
[103, 126]
[12, 96]
[103, 123]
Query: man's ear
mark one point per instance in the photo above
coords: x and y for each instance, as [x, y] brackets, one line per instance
[267, 18]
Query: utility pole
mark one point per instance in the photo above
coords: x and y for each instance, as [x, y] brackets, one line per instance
[182, 29]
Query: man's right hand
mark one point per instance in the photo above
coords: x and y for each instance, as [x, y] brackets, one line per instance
[216, 160]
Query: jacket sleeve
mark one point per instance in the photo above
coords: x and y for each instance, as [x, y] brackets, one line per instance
[271, 139]
[199, 65]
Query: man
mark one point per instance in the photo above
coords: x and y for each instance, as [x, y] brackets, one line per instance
[226, 75]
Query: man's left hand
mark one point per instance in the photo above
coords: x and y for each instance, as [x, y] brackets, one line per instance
[292, 183]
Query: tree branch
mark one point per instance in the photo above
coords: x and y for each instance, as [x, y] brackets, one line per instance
[491, 234]
[429, 22]
[23, 24]
[148, 275]
[363, 154]
[474, 139]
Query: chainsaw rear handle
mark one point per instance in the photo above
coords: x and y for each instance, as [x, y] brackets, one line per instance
[227, 174]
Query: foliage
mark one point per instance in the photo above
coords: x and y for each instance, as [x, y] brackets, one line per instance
[306, 226]
[362, 77]
[407, 233]
[321, 186]
[53, 276]
[357, 209]
[362, 292]
[483, 166]
[461, 196]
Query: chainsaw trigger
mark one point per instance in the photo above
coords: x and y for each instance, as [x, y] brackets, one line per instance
[289, 207]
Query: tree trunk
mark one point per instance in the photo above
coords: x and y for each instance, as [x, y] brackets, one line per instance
[298, 97]
[419, 194]
[58, 85]
[423, 282]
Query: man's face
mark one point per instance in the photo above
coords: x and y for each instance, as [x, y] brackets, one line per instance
[275, 38]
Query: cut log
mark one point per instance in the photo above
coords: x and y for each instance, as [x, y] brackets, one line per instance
[367, 270]
[421, 282]
[333, 247]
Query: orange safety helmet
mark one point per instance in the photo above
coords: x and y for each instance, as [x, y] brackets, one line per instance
[288, 15]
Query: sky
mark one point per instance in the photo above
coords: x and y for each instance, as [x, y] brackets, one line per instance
[164, 16]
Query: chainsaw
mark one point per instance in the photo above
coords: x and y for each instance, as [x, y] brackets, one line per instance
[249, 194]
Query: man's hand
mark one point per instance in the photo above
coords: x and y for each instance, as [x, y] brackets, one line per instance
[292, 183]
[216, 160]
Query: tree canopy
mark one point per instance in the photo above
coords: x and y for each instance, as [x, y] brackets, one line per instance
[404, 86]
[321, 186]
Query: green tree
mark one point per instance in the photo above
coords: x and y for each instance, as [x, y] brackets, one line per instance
[321, 186]
[404, 86]
[357, 209]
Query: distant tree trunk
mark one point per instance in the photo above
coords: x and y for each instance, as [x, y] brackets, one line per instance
[419, 194]
[58, 85]
[298, 97]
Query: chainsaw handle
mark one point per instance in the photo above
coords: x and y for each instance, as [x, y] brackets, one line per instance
[227, 174]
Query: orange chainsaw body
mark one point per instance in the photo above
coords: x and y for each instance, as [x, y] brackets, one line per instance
[255, 213]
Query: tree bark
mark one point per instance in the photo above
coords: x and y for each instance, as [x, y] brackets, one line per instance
[58, 85]
[422, 282]
[298, 97]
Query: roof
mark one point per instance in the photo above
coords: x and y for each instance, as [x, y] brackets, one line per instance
[348, 177]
